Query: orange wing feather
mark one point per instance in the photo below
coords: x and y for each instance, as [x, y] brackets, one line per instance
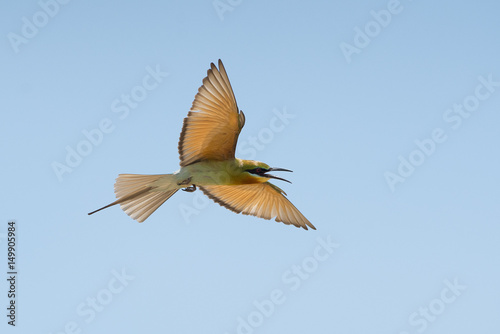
[211, 129]
[264, 200]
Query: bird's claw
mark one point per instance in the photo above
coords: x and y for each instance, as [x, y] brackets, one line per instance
[190, 189]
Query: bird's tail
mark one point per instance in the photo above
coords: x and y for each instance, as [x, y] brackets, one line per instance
[140, 195]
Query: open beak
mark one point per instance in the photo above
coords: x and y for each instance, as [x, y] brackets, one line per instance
[277, 170]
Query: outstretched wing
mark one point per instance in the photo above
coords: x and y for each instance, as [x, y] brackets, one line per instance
[211, 129]
[264, 200]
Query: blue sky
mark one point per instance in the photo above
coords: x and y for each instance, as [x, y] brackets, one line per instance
[386, 111]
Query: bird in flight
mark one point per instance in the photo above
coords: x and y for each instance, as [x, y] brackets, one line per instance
[206, 149]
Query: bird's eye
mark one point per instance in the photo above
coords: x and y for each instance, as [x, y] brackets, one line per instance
[257, 171]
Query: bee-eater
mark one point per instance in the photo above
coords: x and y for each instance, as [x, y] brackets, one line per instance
[206, 149]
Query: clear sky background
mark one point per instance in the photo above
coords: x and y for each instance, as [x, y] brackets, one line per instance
[389, 116]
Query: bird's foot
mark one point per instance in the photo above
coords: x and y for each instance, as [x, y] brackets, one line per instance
[190, 189]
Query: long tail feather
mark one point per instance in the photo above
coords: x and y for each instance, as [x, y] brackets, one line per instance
[140, 195]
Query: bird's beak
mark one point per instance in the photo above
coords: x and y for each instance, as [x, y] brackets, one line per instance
[277, 170]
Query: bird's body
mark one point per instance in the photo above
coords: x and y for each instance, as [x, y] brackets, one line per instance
[213, 172]
[206, 147]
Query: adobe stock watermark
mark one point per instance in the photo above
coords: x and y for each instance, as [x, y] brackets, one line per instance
[88, 309]
[246, 148]
[364, 36]
[430, 312]
[31, 26]
[121, 108]
[454, 117]
[223, 6]
[292, 278]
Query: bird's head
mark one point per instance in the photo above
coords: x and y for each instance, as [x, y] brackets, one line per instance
[260, 170]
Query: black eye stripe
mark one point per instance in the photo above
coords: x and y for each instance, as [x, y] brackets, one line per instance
[258, 171]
